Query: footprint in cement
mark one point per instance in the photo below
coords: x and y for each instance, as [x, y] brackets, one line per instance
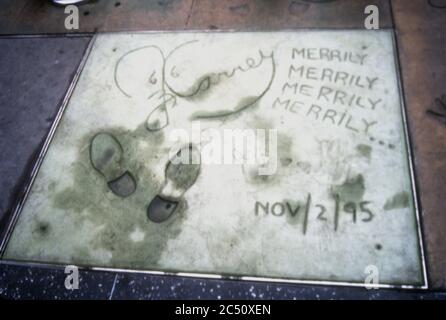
[106, 155]
[180, 174]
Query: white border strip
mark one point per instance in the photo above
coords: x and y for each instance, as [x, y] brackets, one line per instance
[410, 159]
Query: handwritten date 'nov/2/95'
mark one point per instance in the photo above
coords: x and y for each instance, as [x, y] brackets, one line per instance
[355, 212]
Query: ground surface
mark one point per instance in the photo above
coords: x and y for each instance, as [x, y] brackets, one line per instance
[36, 72]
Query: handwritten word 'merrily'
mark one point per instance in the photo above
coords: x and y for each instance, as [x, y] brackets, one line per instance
[329, 75]
[329, 55]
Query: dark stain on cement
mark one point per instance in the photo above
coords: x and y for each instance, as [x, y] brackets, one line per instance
[364, 150]
[398, 201]
[89, 200]
[352, 190]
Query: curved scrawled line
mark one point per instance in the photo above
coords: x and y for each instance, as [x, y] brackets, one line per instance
[218, 115]
[180, 46]
[125, 55]
[172, 97]
[168, 56]
[218, 76]
[188, 95]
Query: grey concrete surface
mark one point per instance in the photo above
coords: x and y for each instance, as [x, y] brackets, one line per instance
[34, 76]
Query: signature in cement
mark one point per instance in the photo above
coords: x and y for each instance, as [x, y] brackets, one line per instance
[166, 78]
